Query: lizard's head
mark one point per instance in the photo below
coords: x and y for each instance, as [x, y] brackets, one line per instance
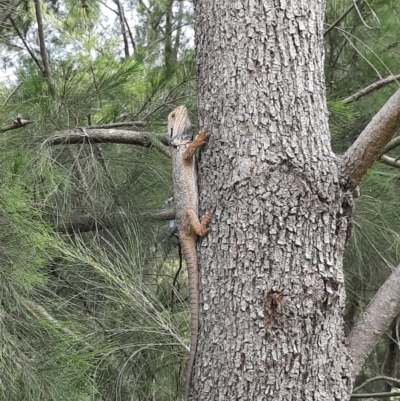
[180, 130]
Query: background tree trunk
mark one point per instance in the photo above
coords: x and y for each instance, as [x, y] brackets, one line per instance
[272, 286]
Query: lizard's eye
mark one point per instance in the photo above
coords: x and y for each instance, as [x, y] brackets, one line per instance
[173, 115]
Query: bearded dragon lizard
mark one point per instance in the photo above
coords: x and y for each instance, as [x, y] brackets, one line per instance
[186, 199]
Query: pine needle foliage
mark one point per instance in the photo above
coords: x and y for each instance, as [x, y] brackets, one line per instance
[110, 309]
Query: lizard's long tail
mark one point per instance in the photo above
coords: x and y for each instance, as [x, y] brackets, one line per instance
[189, 253]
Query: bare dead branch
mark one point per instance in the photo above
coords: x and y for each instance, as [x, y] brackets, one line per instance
[390, 161]
[372, 379]
[370, 88]
[371, 143]
[160, 215]
[392, 144]
[375, 395]
[375, 320]
[86, 223]
[145, 139]
[117, 125]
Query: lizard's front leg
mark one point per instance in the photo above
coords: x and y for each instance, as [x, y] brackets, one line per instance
[192, 223]
[200, 140]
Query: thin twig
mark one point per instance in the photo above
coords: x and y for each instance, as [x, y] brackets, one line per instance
[123, 30]
[360, 15]
[27, 47]
[390, 161]
[392, 144]
[369, 49]
[372, 379]
[375, 395]
[10, 9]
[370, 88]
[176, 275]
[12, 93]
[339, 20]
[42, 45]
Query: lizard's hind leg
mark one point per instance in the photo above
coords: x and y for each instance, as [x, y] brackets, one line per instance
[200, 227]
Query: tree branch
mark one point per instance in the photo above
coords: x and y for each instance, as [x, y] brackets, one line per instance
[375, 395]
[392, 144]
[27, 47]
[145, 139]
[13, 92]
[123, 27]
[370, 88]
[371, 143]
[42, 45]
[160, 215]
[81, 224]
[375, 320]
[390, 161]
[86, 223]
[372, 379]
[130, 34]
[11, 8]
[117, 125]
[339, 20]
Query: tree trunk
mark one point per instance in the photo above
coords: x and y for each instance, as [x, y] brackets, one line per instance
[272, 287]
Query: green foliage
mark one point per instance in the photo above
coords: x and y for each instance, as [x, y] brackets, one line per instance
[35, 352]
[99, 315]
[341, 120]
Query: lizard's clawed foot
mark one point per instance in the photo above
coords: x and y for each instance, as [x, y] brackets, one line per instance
[204, 222]
[201, 138]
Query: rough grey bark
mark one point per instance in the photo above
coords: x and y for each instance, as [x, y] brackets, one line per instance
[272, 288]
